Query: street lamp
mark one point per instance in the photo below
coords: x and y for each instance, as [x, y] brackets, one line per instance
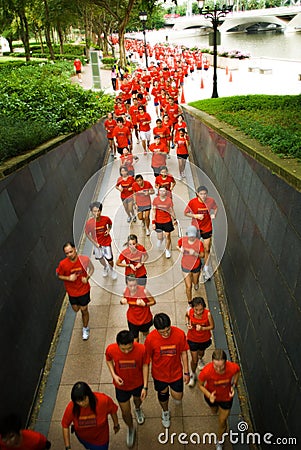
[215, 14]
[143, 19]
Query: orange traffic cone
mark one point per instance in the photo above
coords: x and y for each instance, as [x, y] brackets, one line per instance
[183, 96]
[202, 83]
[227, 70]
[230, 77]
[117, 84]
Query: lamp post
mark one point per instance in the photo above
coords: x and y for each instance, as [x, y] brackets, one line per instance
[215, 14]
[143, 19]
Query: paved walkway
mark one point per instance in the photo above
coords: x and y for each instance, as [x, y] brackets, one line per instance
[78, 360]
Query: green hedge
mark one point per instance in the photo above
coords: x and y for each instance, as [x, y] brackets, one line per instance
[39, 102]
[273, 120]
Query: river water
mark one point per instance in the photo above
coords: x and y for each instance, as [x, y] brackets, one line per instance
[270, 44]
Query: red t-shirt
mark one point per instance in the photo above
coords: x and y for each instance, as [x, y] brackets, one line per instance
[127, 90]
[134, 258]
[136, 314]
[163, 132]
[211, 204]
[109, 126]
[202, 335]
[122, 136]
[162, 209]
[119, 110]
[77, 64]
[31, 440]
[159, 154]
[128, 366]
[172, 112]
[195, 206]
[126, 184]
[220, 383]
[165, 354]
[145, 117]
[165, 182]
[190, 262]
[178, 126]
[141, 198]
[97, 229]
[89, 426]
[66, 267]
[127, 161]
[182, 145]
[133, 113]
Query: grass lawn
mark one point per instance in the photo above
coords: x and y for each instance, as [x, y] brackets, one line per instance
[273, 120]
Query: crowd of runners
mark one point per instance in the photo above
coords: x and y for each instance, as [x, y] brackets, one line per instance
[174, 357]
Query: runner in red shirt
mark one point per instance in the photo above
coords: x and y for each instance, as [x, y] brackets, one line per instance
[167, 348]
[142, 190]
[128, 160]
[109, 124]
[133, 258]
[165, 180]
[122, 135]
[218, 381]
[139, 315]
[133, 111]
[78, 69]
[180, 124]
[209, 202]
[12, 436]
[129, 366]
[144, 121]
[125, 186]
[88, 413]
[168, 127]
[155, 92]
[181, 145]
[126, 88]
[163, 217]
[119, 108]
[97, 230]
[75, 271]
[159, 154]
[198, 212]
[199, 322]
[162, 131]
[192, 250]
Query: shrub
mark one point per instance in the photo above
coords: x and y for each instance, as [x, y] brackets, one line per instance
[109, 60]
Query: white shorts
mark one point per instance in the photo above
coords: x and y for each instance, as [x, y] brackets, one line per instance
[105, 251]
[145, 135]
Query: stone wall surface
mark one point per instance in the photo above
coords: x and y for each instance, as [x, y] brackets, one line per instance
[261, 273]
[36, 212]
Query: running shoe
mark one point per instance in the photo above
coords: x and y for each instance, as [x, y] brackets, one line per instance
[196, 286]
[128, 219]
[147, 232]
[192, 380]
[105, 271]
[130, 438]
[86, 333]
[113, 274]
[139, 416]
[166, 419]
[167, 254]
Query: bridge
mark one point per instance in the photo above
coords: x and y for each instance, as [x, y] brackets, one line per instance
[281, 18]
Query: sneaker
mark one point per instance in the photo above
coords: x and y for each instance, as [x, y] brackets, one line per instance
[134, 218]
[113, 274]
[105, 271]
[167, 254]
[201, 364]
[130, 437]
[168, 156]
[182, 175]
[139, 416]
[147, 232]
[128, 219]
[166, 419]
[192, 380]
[206, 275]
[196, 286]
[219, 446]
[138, 142]
[86, 333]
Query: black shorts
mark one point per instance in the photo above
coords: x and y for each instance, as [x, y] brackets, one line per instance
[144, 208]
[141, 281]
[195, 346]
[177, 386]
[82, 300]
[142, 328]
[128, 101]
[182, 156]
[223, 405]
[156, 170]
[196, 270]
[167, 227]
[124, 396]
[206, 235]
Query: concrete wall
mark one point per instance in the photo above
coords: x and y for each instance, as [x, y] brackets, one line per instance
[36, 212]
[262, 277]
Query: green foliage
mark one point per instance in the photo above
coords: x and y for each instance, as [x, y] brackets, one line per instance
[38, 102]
[271, 119]
[108, 60]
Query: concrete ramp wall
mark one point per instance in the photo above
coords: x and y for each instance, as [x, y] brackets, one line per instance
[36, 212]
[261, 272]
